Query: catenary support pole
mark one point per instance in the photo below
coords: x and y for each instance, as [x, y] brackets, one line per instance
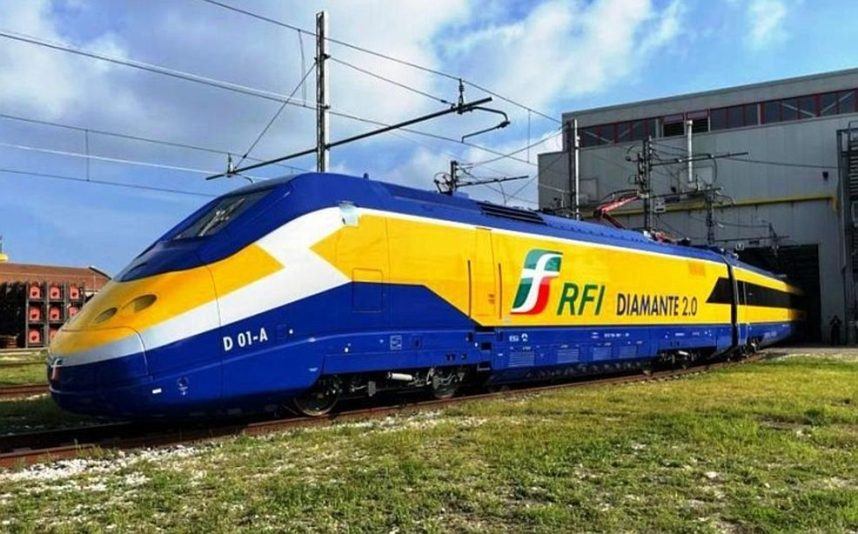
[646, 190]
[322, 106]
[690, 163]
[576, 140]
[570, 163]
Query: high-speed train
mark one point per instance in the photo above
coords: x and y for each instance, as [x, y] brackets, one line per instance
[315, 287]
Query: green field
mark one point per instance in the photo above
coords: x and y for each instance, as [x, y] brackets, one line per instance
[769, 446]
[25, 374]
[29, 374]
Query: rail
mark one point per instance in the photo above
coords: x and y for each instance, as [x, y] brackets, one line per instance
[22, 390]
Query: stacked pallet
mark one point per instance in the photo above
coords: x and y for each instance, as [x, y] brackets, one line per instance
[33, 311]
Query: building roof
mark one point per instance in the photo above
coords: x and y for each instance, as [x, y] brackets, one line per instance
[90, 277]
[772, 89]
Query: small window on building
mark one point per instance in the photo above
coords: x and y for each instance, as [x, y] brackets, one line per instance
[597, 135]
[806, 107]
[673, 129]
[752, 114]
[699, 121]
[672, 125]
[846, 102]
[624, 132]
[827, 104]
[718, 119]
[772, 112]
[700, 125]
[589, 136]
[638, 131]
[735, 116]
[789, 109]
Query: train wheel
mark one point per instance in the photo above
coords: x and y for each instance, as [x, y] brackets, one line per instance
[446, 382]
[320, 399]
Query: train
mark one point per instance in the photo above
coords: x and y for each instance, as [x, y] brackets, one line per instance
[309, 289]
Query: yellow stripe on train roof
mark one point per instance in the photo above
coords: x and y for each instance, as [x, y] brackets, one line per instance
[177, 292]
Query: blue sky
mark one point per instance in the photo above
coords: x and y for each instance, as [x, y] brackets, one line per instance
[554, 56]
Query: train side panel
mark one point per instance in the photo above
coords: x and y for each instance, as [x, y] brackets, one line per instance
[590, 303]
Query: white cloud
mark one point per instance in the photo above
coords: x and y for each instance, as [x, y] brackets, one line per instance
[766, 19]
[564, 49]
[48, 82]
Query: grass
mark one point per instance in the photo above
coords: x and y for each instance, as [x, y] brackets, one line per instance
[24, 374]
[763, 447]
[11, 375]
[12, 356]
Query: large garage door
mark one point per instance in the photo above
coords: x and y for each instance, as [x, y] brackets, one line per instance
[801, 265]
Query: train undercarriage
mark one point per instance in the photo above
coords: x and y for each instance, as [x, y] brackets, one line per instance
[446, 382]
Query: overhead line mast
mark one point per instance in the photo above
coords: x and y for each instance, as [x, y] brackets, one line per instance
[322, 106]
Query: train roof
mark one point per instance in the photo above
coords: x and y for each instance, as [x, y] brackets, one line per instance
[327, 189]
[295, 195]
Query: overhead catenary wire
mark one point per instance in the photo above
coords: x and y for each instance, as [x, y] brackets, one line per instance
[674, 229]
[519, 150]
[431, 135]
[779, 163]
[277, 114]
[381, 55]
[523, 186]
[132, 137]
[303, 64]
[223, 85]
[734, 225]
[104, 182]
[110, 159]
[389, 80]
[157, 69]
[229, 86]
[783, 163]
[511, 196]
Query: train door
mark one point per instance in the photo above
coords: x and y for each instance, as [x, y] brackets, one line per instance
[739, 310]
[483, 279]
[734, 308]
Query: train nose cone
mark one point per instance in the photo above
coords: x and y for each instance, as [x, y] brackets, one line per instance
[118, 358]
[80, 367]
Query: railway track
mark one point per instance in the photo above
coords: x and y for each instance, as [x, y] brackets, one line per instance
[22, 390]
[30, 448]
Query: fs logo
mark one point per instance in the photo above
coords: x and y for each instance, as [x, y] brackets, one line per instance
[540, 267]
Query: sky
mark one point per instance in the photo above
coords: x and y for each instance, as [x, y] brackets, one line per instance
[551, 56]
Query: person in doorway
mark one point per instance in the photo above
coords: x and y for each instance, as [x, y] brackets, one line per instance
[835, 330]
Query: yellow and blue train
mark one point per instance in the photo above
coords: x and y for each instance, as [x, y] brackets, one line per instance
[314, 287]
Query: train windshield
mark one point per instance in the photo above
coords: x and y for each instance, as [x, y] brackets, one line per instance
[219, 216]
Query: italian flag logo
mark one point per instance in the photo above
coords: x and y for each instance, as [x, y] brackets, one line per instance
[540, 267]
